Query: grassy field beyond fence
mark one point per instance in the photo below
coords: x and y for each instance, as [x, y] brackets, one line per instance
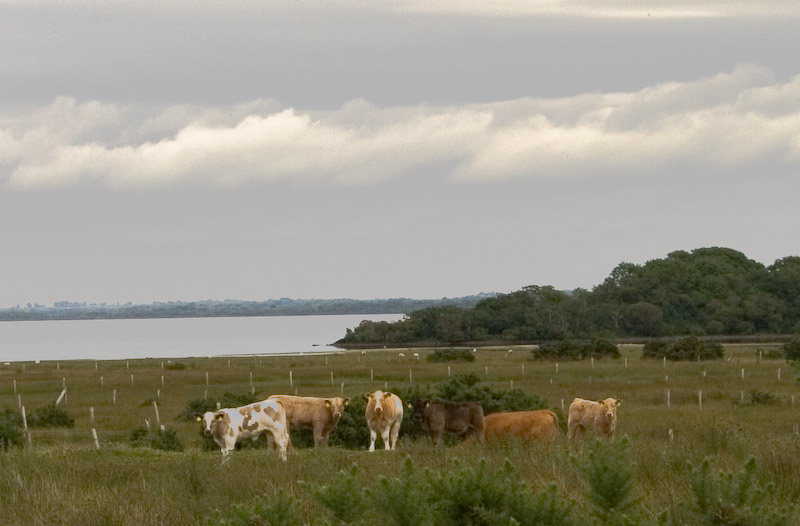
[727, 411]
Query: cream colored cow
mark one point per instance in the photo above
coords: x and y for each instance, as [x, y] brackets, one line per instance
[599, 416]
[384, 415]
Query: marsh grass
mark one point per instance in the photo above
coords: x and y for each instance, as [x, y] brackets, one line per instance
[61, 479]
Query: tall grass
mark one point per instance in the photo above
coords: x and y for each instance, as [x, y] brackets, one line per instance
[62, 479]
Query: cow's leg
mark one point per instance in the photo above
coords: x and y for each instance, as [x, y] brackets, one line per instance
[435, 437]
[281, 439]
[394, 433]
[385, 435]
[372, 437]
[319, 438]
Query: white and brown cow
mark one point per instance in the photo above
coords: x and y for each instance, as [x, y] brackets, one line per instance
[384, 415]
[586, 414]
[318, 414]
[229, 426]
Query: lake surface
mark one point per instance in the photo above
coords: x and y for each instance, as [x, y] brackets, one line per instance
[174, 337]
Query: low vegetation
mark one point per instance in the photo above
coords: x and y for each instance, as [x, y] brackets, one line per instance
[575, 350]
[686, 464]
[689, 348]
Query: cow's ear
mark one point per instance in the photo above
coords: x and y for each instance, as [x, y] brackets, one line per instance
[199, 418]
[219, 416]
[346, 401]
[387, 395]
[368, 396]
[427, 404]
[410, 405]
[619, 403]
[327, 403]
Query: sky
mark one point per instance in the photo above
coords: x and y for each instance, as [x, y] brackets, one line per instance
[188, 150]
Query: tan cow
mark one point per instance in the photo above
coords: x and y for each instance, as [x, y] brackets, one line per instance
[318, 414]
[384, 415]
[229, 426]
[539, 425]
[586, 414]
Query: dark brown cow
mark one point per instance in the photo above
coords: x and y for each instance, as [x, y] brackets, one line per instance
[449, 417]
[539, 425]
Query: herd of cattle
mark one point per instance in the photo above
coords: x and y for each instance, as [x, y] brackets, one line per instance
[279, 414]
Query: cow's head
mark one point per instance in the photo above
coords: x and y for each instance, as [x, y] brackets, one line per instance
[380, 399]
[610, 408]
[419, 407]
[336, 406]
[210, 418]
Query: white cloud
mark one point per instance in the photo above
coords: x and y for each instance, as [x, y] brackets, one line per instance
[717, 123]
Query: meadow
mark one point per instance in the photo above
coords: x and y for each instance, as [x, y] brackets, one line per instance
[726, 411]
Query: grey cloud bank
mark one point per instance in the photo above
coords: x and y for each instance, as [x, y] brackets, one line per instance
[191, 150]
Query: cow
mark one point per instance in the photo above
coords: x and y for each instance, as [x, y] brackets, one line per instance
[586, 414]
[318, 414]
[384, 415]
[451, 417]
[231, 425]
[539, 425]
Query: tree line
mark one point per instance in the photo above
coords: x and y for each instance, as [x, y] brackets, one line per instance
[708, 291]
[64, 310]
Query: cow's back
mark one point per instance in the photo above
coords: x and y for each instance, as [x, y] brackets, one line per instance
[302, 411]
[528, 425]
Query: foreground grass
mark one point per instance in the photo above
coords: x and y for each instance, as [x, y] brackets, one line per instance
[62, 479]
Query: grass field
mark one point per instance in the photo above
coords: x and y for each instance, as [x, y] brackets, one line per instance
[62, 479]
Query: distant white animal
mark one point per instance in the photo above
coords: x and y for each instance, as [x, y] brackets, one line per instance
[401, 355]
[416, 355]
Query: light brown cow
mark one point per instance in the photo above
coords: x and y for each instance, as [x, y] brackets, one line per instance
[384, 415]
[318, 414]
[528, 425]
[585, 414]
[229, 426]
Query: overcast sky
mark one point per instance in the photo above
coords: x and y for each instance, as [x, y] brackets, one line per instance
[186, 150]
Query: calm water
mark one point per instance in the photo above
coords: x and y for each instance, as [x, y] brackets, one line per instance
[175, 338]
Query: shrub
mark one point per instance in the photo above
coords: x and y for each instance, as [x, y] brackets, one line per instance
[481, 496]
[51, 416]
[162, 439]
[344, 496]
[10, 432]
[197, 407]
[467, 388]
[576, 350]
[689, 348]
[762, 398]
[733, 499]
[174, 366]
[278, 510]
[791, 350]
[451, 355]
[402, 500]
[351, 432]
[609, 474]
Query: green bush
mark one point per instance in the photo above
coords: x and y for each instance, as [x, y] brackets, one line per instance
[51, 416]
[344, 496]
[480, 496]
[278, 510]
[197, 407]
[174, 366]
[467, 388]
[576, 350]
[689, 348]
[351, 432]
[162, 439]
[10, 432]
[403, 499]
[733, 499]
[609, 474]
[451, 355]
[791, 350]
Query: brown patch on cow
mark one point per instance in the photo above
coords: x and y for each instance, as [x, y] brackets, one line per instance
[256, 407]
[272, 413]
[230, 431]
[246, 411]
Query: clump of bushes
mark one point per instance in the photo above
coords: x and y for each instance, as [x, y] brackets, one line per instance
[277, 510]
[681, 349]
[576, 350]
[791, 349]
[174, 366]
[451, 355]
[162, 439]
[198, 406]
[761, 398]
[51, 416]
[10, 432]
